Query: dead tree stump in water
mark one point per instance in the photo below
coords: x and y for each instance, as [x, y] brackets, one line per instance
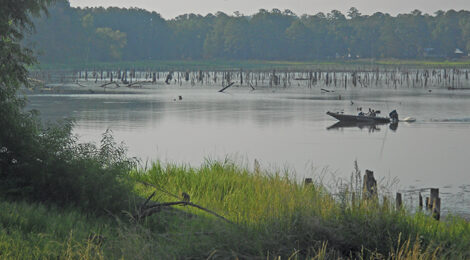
[308, 181]
[420, 202]
[370, 185]
[200, 76]
[399, 201]
[169, 77]
[435, 204]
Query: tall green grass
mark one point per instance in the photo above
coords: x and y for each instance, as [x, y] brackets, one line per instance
[287, 215]
[273, 216]
[34, 231]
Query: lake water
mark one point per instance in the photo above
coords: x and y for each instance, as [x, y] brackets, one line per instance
[287, 129]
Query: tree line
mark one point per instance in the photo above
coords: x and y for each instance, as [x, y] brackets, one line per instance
[111, 34]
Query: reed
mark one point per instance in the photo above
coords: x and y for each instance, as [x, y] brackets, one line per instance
[278, 208]
[273, 216]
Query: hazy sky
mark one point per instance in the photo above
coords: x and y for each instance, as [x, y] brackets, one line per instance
[171, 8]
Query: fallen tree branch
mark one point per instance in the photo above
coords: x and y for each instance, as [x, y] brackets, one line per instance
[228, 86]
[146, 211]
[152, 209]
[160, 189]
[101, 86]
[109, 83]
[80, 85]
[36, 81]
[138, 82]
[148, 199]
[208, 211]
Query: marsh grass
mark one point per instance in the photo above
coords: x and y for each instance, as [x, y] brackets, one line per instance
[274, 217]
[274, 207]
[34, 231]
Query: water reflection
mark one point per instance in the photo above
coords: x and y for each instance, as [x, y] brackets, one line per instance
[370, 126]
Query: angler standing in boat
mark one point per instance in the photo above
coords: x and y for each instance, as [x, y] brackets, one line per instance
[393, 116]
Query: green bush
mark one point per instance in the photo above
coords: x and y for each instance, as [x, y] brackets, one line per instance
[49, 165]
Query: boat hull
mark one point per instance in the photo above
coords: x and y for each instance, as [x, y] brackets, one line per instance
[365, 119]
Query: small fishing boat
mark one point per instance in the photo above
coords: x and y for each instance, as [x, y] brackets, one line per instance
[362, 118]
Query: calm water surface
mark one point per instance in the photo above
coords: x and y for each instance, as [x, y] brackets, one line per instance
[287, 129]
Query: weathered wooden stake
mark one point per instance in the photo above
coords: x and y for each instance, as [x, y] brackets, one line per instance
[420, 202]
[399, 200]
[435, 203]
[308, 181]
[436, 209]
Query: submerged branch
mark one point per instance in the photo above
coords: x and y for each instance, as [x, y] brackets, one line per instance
[228, 86]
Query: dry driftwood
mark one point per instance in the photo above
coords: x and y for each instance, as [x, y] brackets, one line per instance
[148, 210]
[138, 82]
[109, 83]
[80, 85]
[154, 208]
[226, 87]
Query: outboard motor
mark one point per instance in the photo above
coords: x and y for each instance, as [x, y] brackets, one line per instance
[393, 116]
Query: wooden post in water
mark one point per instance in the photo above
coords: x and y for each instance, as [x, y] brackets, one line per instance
[399, 201]
[435, 203]
[436, 211]
[420, 202]
[385, 202]
[308, 181]
[370, 185]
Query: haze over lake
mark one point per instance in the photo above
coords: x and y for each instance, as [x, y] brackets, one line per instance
[287, 129]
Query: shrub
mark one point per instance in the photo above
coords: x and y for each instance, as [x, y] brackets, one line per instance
[53, 167]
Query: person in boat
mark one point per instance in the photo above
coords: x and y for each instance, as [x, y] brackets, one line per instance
[360, 111]
[393, 115]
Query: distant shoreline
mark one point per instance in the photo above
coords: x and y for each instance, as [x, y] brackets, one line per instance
[256, 64]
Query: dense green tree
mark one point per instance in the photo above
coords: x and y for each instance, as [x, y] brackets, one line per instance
[447, 33]
[60, 36]
[267, 33]
[18, 131]
[44, 162]
[189, 33]
[135, 34]
[109, 43]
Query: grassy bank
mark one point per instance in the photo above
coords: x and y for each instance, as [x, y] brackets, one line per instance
[165, 65]
[271, 215]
